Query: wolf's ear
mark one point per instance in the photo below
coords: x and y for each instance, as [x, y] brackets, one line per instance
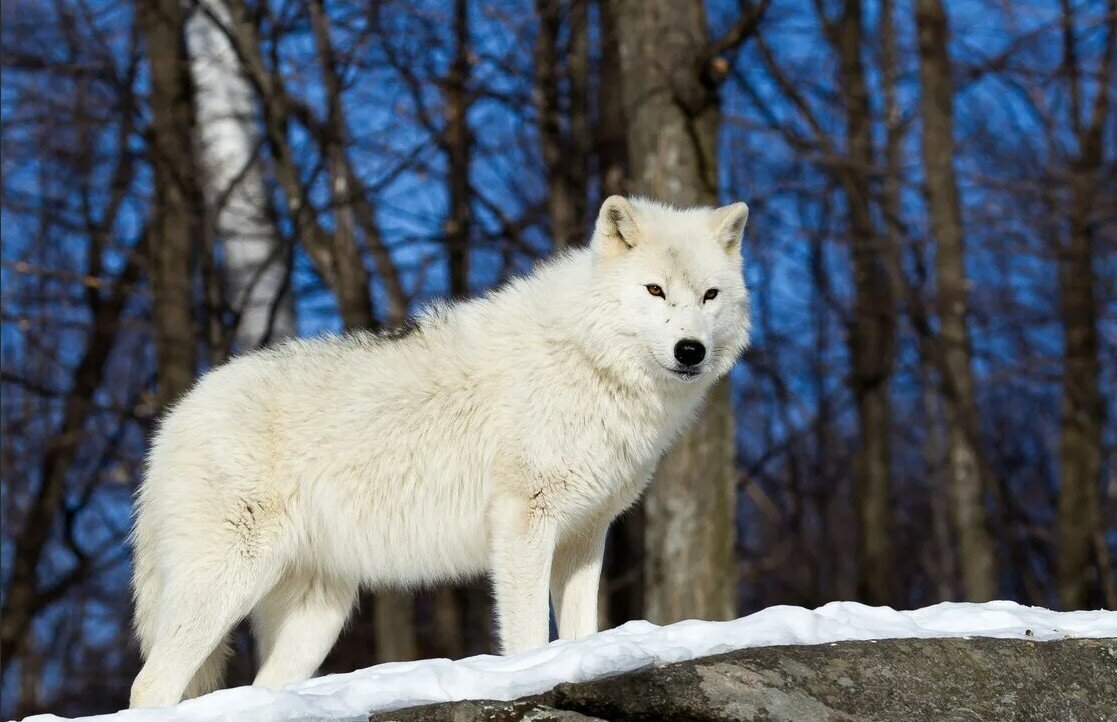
[729, 223]
[616, 230]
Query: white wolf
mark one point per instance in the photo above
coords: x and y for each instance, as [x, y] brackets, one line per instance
[503, 435]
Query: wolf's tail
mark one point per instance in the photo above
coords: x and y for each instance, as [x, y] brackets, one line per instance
[145, 577]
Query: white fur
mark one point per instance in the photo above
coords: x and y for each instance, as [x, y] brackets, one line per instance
[501, 436]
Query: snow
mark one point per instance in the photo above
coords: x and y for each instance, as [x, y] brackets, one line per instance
[635, 645]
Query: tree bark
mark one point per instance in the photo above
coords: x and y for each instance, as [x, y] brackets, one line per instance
[610, 144]
[966, 490]
[256, 262]
[581, 129]
[394, 620]
[179, 207]
[1082, 561]
[340, 264]
[671, 139]
[458, 142]
[352, 207]
[560, 212]
[447, 623]
[563, 135]
[872, 328]
[624, 561]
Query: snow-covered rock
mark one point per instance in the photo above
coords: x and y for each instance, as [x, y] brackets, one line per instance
[879, 680]
[636, 645]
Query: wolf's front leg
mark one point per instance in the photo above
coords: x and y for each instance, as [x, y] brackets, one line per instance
[523, 542]
[575, 576]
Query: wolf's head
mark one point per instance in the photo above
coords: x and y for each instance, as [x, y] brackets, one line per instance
[675, 283]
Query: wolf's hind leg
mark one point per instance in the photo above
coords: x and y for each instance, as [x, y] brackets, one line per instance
[296, 626]
[212, 672]
[198, 607]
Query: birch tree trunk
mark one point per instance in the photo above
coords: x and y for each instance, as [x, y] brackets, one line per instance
[966, 488]
[256, 261]
[689, 566]
[337, 257]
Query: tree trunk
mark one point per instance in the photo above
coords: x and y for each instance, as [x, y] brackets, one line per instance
[394, 620]
[690, 570]
[447, 623]
[256, 263]
[458, 142]
[581, 129]
[351, 206]
[966, 490]
[340, 263]
[179, 208]
[563, 135]
[1082, 561]
[334, 146]
[872, 329]
[623, 582]
[610, 143]
[624, 560]
[560, 206]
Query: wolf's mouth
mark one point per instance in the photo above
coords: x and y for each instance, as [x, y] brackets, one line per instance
[686, 373]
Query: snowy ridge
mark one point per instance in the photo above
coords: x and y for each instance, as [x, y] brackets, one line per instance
[352, 696]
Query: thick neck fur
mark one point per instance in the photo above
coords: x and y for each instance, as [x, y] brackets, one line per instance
[564, 309]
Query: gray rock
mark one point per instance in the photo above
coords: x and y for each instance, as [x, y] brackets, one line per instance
[903, 679]
[484, 710]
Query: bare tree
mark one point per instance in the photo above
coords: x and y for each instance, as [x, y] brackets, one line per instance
[337, 258]
[873, 323]
[23, 597]
[256, 263]
[609, 141]
[563, 121]
[67, 308]
[966, 488]
[179, 210]
[352, 207]
[1083, 555]
[457, 142]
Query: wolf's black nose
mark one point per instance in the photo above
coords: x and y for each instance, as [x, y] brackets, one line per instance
[689, 353]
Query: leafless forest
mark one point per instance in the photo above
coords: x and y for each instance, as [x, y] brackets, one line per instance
[928, 409]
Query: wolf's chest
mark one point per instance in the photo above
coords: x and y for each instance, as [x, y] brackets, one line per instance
[593, 482]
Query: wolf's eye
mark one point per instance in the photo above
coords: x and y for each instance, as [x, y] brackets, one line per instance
[710, 295]
[655, 290]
